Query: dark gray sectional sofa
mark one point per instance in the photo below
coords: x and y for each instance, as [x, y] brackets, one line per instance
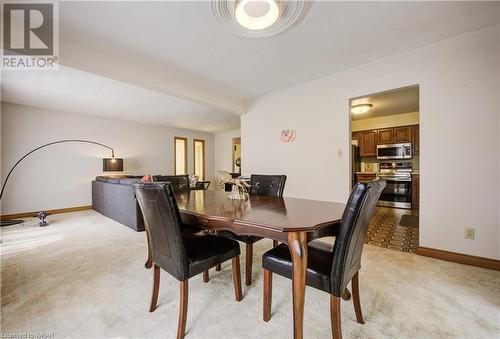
[114, 197]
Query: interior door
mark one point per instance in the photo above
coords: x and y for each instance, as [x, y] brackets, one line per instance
[236, 154]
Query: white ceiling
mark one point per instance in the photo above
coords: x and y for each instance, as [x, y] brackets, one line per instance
[398, 101]
[333, 36]
[76, 91]
[172, 63]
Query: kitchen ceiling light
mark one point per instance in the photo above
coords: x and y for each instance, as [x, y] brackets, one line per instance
[256, 14]
[361, 108]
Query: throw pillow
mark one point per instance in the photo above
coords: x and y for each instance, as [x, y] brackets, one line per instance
[147, 178]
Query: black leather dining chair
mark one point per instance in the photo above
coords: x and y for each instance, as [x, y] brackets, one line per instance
[331, 271]
[264, 185]
[181, 255]
[180, 183]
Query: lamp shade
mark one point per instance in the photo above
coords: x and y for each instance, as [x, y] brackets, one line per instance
[112, 165]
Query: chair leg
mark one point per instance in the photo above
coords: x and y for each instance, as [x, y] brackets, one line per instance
[275, 243]
[218, 268]
[149, 261]
[346, 295]
[355, 298]
[236, 277]
[206, 277]
[335, 317]
[183, 309]
[268, 294]
[156, 287]
[248, 264]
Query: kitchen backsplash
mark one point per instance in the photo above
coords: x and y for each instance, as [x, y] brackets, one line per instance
[370, 164]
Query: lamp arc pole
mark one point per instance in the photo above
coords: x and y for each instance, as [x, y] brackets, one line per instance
[50, 144]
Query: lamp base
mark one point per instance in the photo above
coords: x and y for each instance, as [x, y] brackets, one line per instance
[10, 222]
[42, 215]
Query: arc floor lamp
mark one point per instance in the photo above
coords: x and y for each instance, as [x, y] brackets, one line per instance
[108, 165]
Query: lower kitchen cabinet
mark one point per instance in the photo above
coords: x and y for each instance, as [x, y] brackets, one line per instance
[415, 191]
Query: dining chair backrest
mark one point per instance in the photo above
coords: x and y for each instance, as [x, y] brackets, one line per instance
[180, 183]
[352, 231]
[163, 222]
[268, 185]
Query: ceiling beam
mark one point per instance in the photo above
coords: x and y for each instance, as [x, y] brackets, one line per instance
[144, 73]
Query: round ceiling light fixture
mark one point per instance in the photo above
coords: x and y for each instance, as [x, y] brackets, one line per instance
[256, 14]
[361, 108]
[259, 18]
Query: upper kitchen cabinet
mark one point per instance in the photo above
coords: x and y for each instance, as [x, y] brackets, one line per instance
[402, 134]
[368, 143]
[368, 140]
[385, 136]
[415, 139]
[355, 136]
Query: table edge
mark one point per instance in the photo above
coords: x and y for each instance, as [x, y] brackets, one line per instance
[280, 229]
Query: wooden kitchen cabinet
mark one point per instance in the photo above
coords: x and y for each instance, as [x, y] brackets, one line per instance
[415, 139]
[402, 134]
[415, 191]
[368, 144]
[385, 136]
[355, 136]
[368, 140]
[362, 177]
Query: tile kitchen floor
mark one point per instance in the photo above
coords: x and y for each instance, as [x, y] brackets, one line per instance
[385, 231]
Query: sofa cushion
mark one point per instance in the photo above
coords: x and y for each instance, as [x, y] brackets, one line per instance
[113, 180]
[101, 178]
[128, 181]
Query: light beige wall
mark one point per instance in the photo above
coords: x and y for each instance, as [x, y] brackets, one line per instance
[498, 110]
[394, 120]
[459, 136]
[60, 176]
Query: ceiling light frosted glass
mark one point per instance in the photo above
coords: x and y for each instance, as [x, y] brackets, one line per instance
[257, 14]
[361, 108]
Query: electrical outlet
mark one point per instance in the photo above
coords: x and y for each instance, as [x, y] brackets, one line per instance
[470, 233]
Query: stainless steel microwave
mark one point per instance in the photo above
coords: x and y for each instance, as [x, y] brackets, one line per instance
[394, 151]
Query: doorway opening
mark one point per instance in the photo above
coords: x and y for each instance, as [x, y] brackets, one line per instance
[385, 131]
[236, 156]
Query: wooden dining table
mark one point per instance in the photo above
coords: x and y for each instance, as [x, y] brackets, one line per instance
[292, 221]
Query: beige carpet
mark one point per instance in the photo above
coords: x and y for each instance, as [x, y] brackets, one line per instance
[83, 277]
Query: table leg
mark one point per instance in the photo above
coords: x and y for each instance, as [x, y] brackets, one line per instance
[297, 243]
